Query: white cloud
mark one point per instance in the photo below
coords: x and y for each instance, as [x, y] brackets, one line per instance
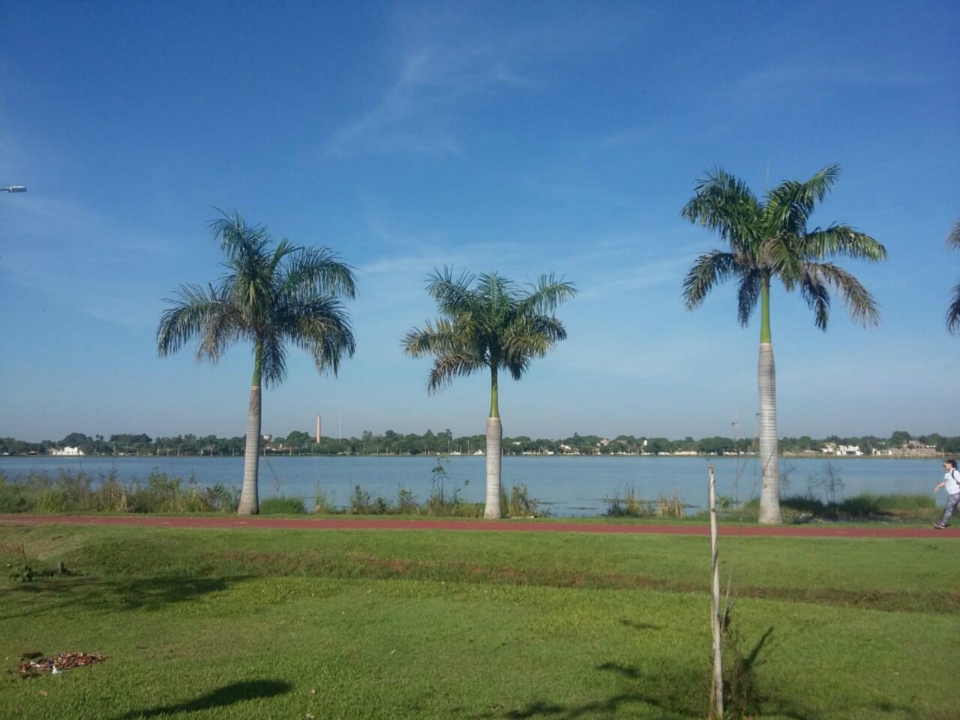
[410, 117]
[450, 59]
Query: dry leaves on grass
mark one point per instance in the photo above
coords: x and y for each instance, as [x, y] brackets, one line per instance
[57, 663]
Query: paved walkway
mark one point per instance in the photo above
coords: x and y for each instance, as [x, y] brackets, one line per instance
[813, 530]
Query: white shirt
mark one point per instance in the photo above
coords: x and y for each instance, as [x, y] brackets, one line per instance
[951, 481]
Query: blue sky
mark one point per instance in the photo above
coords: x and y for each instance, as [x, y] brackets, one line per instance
[520, 138]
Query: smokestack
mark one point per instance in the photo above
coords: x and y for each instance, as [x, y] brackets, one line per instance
[318, 429]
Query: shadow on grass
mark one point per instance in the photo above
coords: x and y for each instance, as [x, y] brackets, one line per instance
[640, 625]
[675, 691]
[54, 595]
[221, 697]
[670, 695]
[750, 660]
[864, 506]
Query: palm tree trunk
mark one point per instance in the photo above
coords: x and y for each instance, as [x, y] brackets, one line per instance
[492, 510]
[249, 495]
[769, 452]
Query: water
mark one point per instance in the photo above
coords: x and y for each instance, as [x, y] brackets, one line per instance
[570, 486]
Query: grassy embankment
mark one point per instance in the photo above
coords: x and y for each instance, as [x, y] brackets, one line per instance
[431, 624]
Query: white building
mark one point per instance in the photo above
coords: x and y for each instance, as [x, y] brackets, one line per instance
[68, 451]
[842, 450]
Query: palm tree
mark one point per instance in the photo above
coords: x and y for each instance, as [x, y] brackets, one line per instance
[953, 311]
[769, 239]
[269, 296]
[494, 326]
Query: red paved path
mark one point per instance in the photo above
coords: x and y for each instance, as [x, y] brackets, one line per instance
[826, 530]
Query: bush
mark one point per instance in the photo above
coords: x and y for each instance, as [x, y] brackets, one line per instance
[359, 501]
[630, 505]
[283, 506]
[362, 503]
[800, 504]
[52, 501]
[407, 502]
[322, 502]
[521, 504]
[671, 506]
[220, 498]
[79, 492]
[867, 504]
[12, 500]
[442, 504]
[864, 506]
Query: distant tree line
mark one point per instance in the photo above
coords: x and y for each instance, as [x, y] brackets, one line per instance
[430, 443]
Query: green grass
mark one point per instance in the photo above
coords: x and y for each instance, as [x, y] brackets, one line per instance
[431, 624]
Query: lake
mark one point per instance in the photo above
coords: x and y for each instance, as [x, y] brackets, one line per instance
[570, 486]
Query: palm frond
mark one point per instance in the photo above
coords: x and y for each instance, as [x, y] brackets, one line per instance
[197, 313]
[321, 326]
[953, 312]
[318, 270]
[841, 240]
[521, 342]
[499, 298]
[953, 238]
[283, 250]
[452, 295]
[433, 339]
[710, 269]
[273, 359]
[789, 205]
[860, 303]
[546, 295]
[548, 326]
[236, 237]
[747, 295]
[250, 283]
[453, 364]
[725, 204]
[330, 344]
[519, 367]
[224, 327]
[779, 255]
[817, 295]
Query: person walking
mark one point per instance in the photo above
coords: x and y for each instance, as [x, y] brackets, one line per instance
[951, 481]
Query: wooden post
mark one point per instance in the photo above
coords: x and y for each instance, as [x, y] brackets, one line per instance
[715, 620]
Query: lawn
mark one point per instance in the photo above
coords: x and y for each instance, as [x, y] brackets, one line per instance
[442, 624]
